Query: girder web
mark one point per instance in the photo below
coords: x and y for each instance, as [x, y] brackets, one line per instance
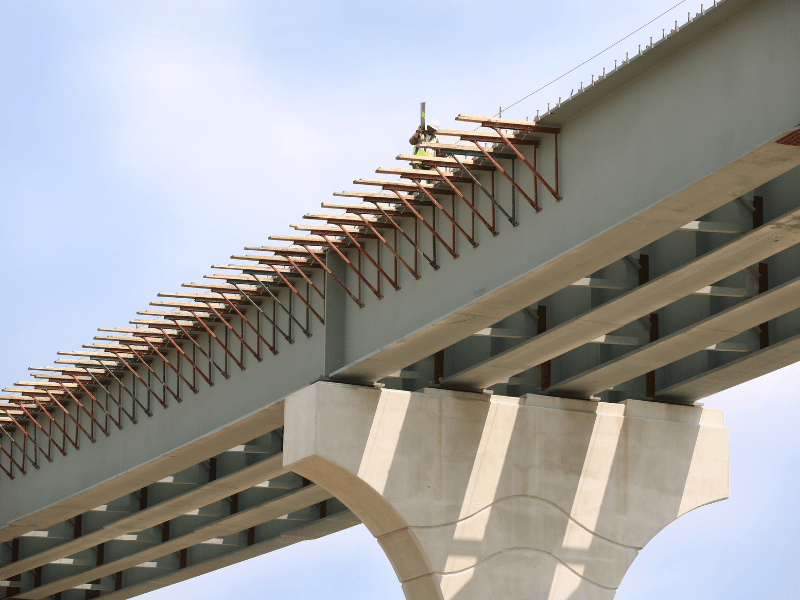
[246, 311]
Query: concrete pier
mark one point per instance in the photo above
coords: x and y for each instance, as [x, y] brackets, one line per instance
[473, 496]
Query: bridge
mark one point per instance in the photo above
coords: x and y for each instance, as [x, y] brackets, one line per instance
[493, 359]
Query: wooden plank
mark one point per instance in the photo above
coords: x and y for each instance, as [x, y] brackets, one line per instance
[348, 219]
[173, 314]
[382, 198]
[442, 161]
[216, 298]
[368, 209]
[517, 125]
[310, 240]
[193, 306]
[266, 260]
[53, 377]
[133, 339]
[252, 289]
[141, 349]
[333, 230]
[428, 174]
[239, 277]
[408, 187]
[99, 372]
[170, 325]
[467, 150]
[98, 354]
[138, 331]
[488, 136]
[284, 250]
[44, 384]
[31, 391]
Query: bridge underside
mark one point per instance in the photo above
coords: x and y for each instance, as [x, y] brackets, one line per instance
[237, 504]
[658, 260]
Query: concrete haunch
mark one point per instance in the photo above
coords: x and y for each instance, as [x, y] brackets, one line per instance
[529, 498]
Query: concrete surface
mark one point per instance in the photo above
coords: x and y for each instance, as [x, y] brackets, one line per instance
[533, 497]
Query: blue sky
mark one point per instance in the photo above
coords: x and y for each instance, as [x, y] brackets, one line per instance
[140, 142]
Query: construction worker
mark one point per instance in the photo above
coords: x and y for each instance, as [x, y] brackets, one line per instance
[420, 136]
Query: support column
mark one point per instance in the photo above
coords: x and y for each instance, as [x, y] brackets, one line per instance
[533, 497]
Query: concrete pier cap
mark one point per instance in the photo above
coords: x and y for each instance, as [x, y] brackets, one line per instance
[532, 497]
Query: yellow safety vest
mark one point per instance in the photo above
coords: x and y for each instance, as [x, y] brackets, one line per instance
[418, 151]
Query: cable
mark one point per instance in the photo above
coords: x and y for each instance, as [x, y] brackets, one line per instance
[592, 58]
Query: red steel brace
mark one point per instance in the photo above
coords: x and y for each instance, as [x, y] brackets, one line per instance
[470, 206]
[219, 341]
[385, 243]
[95, 400]
[166, 362]
[203, 352]
[250, 325]
[179, 349]
[336, 279]
[11, 458]
[427, 225]
[28, 435]
[239, 337]
[49, 416]
[303, 275]
[294, 290]
[409, 240]
[535, 181]
[270, 320]
[507, 176]
[71, 418]
[446, 214]
[527, 164]
[72, 396]
[160, 380]
[39, 426]
[139, 377]
[351, 265]
[369, 258]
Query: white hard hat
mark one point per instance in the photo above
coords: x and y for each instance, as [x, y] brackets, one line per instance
[434, 125]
